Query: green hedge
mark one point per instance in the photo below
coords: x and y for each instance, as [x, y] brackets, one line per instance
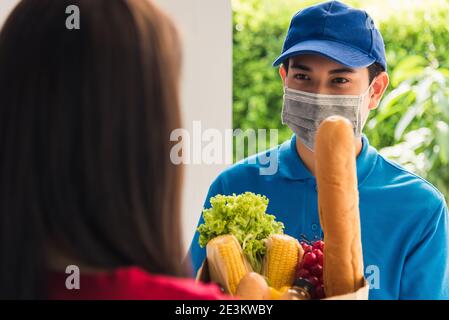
[412, 124]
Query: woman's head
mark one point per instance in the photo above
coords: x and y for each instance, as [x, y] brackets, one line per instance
[85, 120]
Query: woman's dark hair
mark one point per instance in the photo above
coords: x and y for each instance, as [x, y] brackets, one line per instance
[85, 121]
[373, 70]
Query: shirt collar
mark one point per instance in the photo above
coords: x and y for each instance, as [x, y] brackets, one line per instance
[292, 167]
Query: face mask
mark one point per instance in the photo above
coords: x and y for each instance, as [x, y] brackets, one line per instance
[303, 112]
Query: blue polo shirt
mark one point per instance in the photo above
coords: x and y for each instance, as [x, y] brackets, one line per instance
[404, 219]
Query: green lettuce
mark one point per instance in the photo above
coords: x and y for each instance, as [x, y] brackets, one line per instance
[245, 217]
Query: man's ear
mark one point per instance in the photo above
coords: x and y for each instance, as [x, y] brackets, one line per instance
[283, 74]
[379, 87]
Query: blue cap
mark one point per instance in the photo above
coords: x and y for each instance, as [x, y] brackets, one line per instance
[336, 31]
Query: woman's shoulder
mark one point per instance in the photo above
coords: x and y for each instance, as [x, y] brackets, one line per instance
[175, 288]
[130, 283]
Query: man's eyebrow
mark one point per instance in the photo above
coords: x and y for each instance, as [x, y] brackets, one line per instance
[300, 67]
[335, 71]
[342, 70]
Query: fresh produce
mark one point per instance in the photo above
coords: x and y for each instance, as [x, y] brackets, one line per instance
[227, 264]
[285, 261]
[310, 267]
[253, 287]
[239, 234]
[277, 294]
[245, 217]
[281, 259]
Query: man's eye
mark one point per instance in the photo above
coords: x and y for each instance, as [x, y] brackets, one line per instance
[340, 80]
[301, 76]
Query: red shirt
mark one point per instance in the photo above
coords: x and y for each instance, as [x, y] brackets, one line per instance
[132, 283]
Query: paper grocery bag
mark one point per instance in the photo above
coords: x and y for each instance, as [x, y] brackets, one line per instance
[361, 294]
[203, 273]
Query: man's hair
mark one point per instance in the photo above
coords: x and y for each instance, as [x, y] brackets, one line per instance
[373, 70]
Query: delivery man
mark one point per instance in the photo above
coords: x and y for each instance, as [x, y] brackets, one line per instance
[333, 62]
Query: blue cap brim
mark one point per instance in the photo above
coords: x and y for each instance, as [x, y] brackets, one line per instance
[341, 53]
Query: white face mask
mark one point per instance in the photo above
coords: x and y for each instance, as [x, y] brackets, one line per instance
[303, 112]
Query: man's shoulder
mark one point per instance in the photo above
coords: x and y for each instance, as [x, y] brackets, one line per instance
[395, 177]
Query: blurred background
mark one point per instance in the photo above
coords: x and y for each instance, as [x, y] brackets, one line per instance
[411, 126]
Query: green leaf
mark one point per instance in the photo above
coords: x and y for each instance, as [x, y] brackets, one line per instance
[409, 67]
[390, 104]
[243, 216]
[442, 138]
[405, 121]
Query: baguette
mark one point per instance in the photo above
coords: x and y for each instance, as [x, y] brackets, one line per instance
[338, 206]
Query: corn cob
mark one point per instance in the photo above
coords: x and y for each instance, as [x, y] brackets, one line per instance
[281, 260]
[227, 264]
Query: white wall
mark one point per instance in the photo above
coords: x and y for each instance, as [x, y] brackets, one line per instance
[5, 8]
[206, 27]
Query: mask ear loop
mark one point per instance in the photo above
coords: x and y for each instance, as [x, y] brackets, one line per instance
[366, 93]
[360, 105]
[359, 115]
